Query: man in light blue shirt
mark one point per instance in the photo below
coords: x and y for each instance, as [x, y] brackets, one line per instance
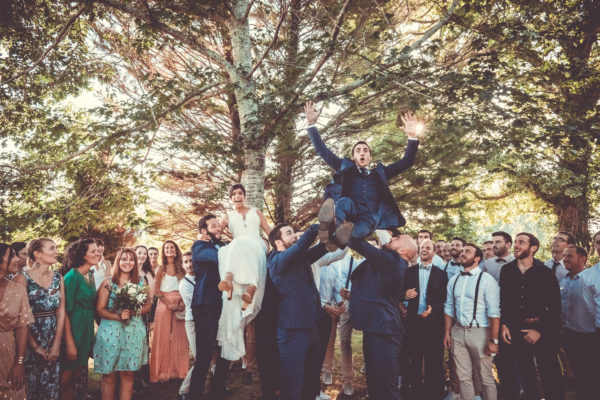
[559, 243]
[578, 320]
[472, 318]
[453, 266]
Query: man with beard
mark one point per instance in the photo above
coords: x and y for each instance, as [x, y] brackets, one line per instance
[452, 266]
[501, 245]
[472, 317]
[578, 321]
[374, 310]
[531, 309]
[487, 248]
[289, 266]
[425, 289]
[365, 197]
[206, 308]
[560, 242]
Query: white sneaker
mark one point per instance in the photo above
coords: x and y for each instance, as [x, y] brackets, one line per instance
[348, 389]
[323, 396]
[327, 378]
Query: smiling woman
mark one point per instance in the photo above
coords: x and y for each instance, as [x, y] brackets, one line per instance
[80, 295]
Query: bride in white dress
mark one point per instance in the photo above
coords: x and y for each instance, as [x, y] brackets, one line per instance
[243, 270]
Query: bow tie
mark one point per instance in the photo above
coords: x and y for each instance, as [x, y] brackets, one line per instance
[462, 273]
[427, 267]
[454, 263]
[364, 172]
[500, 260]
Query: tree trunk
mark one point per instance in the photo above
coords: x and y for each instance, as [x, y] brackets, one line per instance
[244, 89]
[573, 217]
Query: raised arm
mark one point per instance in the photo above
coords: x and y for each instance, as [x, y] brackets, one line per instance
[377, 258]
[327, 155]
[413, 127]
[285, 259]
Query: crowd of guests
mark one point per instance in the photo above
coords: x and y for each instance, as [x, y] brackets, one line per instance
[491, 305]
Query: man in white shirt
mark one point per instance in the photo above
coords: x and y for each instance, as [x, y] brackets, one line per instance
[423, 235]
[186, 290]
[472, 319]
[560, 242]
[502, 243]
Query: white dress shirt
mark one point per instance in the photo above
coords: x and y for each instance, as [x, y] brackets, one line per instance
[186, 290]
[592, 281]
[561, 270]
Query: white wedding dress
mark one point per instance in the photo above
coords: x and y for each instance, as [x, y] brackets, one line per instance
[245, 257]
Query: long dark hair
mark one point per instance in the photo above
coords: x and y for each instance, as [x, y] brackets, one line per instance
[4, 247]
[75, 256]
[178, 261]
[146, 266]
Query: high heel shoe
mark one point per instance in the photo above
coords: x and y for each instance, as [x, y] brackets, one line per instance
[226, 285]
[248, 296]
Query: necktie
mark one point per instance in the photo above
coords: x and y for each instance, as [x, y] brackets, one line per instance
[500, 260]
[554, 265]
[427, 267]
[462, 273]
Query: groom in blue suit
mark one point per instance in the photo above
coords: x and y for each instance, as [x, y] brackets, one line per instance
[362, 195]
[376, 284]
[289, 266]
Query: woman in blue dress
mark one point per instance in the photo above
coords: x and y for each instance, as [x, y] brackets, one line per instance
[45, 288]
[120, 349]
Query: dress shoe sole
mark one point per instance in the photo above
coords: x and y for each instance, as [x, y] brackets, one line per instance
[343, 234]
[326, 215]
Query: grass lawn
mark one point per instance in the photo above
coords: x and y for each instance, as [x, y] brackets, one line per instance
[240, 391]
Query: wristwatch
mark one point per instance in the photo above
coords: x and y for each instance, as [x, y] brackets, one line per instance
[495, 341]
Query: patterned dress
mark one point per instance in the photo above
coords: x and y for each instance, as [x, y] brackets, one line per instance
[14, 313]
[80, 299]
[41, 375]
[120, 347]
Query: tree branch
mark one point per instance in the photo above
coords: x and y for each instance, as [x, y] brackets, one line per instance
[250, 3]
[273, 42]
[176, 34]
[54, 44]
[155, 121]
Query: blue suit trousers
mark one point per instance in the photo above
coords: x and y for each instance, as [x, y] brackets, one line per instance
[382, 352]
[299, 354]
[365, 220]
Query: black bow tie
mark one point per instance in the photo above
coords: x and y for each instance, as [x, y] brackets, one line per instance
[462, 273]
[500, 260]
[427, 267]
[454, 263]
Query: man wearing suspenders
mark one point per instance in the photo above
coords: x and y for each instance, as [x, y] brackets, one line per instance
[472, 318]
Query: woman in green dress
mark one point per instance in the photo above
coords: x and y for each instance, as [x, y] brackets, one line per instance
[121, 347]
[80, 296]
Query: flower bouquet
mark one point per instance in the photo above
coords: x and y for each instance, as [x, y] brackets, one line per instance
[130, 297]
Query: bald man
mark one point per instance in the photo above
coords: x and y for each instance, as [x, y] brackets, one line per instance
[374, 309]
[425, 290]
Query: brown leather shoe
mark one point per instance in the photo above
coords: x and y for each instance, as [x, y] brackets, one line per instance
[248, 296]
[326, 218]
[226, 285]
[341, 237]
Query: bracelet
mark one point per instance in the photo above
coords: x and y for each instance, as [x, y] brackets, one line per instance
[21, 360]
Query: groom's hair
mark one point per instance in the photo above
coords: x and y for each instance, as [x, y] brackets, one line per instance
[360, 142]
[203, 223]
[275, 234]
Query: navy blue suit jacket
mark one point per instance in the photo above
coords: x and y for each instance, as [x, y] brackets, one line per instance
[205, 260]
[292, 276]
[376, 290]
[389, 214]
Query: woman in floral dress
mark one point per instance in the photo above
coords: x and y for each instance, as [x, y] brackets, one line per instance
[120, 347]
[46, 297]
